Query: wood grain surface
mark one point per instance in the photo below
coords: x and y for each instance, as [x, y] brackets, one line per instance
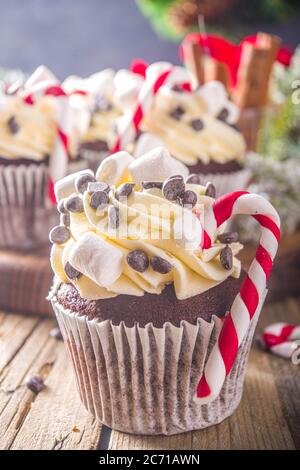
[268, 417]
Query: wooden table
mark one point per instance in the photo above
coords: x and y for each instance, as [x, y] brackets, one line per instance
[268, 417]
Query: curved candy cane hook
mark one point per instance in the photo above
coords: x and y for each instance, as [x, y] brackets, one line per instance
[236, 323]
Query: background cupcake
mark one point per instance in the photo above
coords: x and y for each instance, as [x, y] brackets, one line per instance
[31, 156]
[137, 299]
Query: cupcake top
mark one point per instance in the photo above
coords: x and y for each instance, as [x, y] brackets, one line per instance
[196, 125]
[106, 95]
[26, 131]
[135, 227]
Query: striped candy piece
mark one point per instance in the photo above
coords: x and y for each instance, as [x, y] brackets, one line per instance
[168, 75]
[281, 339]
[236, 323]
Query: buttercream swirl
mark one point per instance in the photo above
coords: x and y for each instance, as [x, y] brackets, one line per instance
[147, 222]
[32, 135]
[212, 139]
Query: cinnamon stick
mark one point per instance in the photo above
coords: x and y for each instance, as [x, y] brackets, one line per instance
[193, 58]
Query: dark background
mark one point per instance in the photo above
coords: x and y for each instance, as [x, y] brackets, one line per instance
[83, 36]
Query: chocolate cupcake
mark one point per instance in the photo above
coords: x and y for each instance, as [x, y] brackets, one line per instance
[105, 95]
[198, 128]
[138, 301]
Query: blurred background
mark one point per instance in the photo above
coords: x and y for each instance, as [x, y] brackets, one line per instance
[82, 36]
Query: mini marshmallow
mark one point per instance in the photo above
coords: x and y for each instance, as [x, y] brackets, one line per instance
[41, 74]
[179, 74]
[97, 259]
[146, 143]
[216, 98]
[127, 87]
[113, 169]
[156, 165]
[66, 186]
[187, 230]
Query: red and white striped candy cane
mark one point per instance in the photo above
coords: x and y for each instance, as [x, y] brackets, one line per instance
[237, 322]
[169, 75]
[281, 339]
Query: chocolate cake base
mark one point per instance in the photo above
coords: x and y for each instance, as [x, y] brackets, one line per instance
[153, 308]
[5, 161]
[217, 168]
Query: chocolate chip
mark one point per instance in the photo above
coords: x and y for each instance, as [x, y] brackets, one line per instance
[210, 190]
[113, 217]
[74, 204]
[65, 219]
[101, 104]
[56, 333]
[13, 125]
[35, 383]
[82, 182]
[177, 89]
[99, 200]
[152, 184]
[226, 257]
[176, 177]
[71, 272]
[228, 237]
[160, 265]
[138, 260]
[124, 190]
[173, 188]
[223, 115]
[98, 186]
[193, 179]
[197, 124]
[61, 206]
[189, 198]
[59, 234]
[177, 113]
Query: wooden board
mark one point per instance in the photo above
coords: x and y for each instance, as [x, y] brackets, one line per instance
[25, 279]
[268, 417]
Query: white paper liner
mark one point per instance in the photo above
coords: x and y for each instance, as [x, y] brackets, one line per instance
[26, 213]
[142, 380]
[228, 182]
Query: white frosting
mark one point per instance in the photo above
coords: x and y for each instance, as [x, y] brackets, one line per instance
[188, 230]
[114, 169]
[156, 165]
[97, 259]
[66, 186]
[145, 143]
[216, 98]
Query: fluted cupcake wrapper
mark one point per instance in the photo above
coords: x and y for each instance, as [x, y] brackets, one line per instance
[26, 213]
[142, 380]
[228, 182]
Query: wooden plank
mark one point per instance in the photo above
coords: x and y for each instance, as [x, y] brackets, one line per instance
[53, 419]
[268, 416]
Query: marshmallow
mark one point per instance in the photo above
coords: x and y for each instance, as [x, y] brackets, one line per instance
[41, 74]
[66, 186]
[216, 98]
[187, 230]
[146, 143]
[97, 259]
[156, 165]
[127, 87]
[112, 169]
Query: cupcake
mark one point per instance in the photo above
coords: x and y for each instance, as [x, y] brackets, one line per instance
[199, 129]
[139, 302]
[99, 100]
[29, 154]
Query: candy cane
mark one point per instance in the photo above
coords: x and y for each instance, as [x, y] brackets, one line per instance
[168, 76]
[281, 339]
[237, 322]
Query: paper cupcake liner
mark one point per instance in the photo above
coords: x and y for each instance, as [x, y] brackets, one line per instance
[142, 380]
[26, 213]
[228, 182]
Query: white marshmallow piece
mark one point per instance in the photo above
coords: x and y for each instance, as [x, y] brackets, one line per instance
[156, 165]
[97, 259]
[187, 231]
[113, 168]
[66, 186]
[216, 98]
[127, 87]
[146, 143]
[41, 74]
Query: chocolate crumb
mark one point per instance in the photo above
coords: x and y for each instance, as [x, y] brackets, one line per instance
[35, 383]
[71, 272]
[177, 113]
[228, 237]
[197, 124]
[210, 190]
[226, 258]
[56, 334]
[13, 125]
[193, 179]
